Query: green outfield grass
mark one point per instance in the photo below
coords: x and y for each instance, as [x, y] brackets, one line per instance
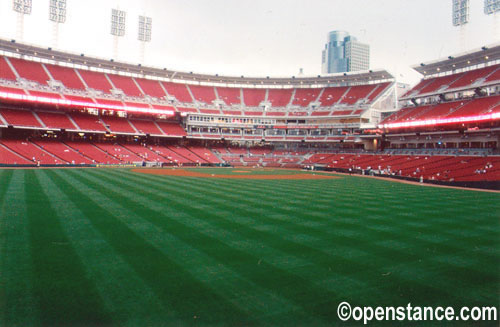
[83, 247]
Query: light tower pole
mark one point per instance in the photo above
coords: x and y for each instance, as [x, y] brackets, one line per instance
[57, 14]
[22, 7]
[117, 28]
[492, 8]
[460, 17]
[144, 34]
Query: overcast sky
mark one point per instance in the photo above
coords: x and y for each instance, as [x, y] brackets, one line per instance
[259, 37]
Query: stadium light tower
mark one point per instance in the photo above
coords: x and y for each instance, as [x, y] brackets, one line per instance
[57, 14]
[117, 27]
[144, 36]
[460, 14]
[491, 6]
[460, 17]
[22, 7]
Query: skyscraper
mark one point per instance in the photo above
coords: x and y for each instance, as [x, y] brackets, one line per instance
[343, 53]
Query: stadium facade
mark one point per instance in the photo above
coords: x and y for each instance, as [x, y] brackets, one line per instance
[59, 108]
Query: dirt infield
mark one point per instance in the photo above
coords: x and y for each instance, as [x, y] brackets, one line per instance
[188, 173]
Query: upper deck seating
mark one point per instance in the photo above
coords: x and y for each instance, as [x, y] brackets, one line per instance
[380, 88]
[229, 95]
[468, 78]
[30, 70]
[438, 82]
[67, 76]
[205, 94]
[305, 96]
[150, 87]
[253, 97]
[493, 77]
[5, 71]
[179, 91]
[95, 80]
[331, 95]
[279, 97]
[126, 84]
[357, 93]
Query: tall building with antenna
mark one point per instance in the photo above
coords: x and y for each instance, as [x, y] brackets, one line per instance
[344, 53]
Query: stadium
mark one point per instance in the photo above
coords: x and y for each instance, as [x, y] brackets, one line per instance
[143, 196]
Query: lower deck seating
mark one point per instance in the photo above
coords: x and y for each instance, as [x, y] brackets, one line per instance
[119, 152]
[65, 153]
[440, 167]
[204, 153]
[92, 152]
[9, 157]
[186, 153]
[171, 157]
[145, 152]
[32, 152]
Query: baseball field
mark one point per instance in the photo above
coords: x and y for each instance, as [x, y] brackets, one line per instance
[233, 247]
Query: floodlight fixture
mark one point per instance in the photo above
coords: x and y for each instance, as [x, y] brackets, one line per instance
[118, 22]
[460, 12]
[145, 27]
[491, 6]
[57, 11]
[22, 6]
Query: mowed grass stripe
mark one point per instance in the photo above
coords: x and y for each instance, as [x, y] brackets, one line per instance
[64, 294]
[17, 305]
[370, 210]
[5, 177]
[241, 220]
[313, 300]
[228, 283]
[128, 299]
[317, 232]
[177, 289]
[436, 289]
[370, 234]
[476, 274]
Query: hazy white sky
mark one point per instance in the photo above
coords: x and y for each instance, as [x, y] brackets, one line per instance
[259, 37]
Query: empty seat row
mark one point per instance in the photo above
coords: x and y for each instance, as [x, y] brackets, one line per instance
[88, 123]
